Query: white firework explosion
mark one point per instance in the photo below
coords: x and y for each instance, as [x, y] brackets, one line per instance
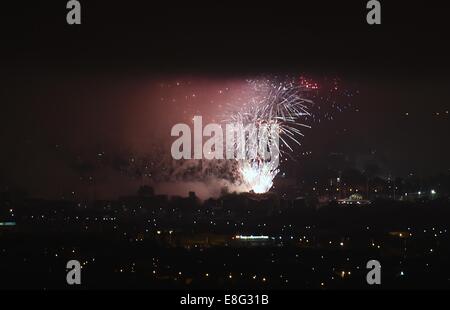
[280, 105]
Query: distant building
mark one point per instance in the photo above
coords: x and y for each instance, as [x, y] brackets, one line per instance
[355, 199]
[412, 197]
[146, 191]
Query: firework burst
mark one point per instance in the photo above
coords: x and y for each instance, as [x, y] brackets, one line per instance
[276, 104]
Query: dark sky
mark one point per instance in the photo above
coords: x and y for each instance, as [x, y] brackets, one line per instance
[68, 92]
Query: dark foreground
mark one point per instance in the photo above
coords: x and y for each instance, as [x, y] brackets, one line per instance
[142, 245]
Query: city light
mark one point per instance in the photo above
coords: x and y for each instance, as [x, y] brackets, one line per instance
[251, 237]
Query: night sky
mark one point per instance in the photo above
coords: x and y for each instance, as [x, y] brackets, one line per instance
[77, 101]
